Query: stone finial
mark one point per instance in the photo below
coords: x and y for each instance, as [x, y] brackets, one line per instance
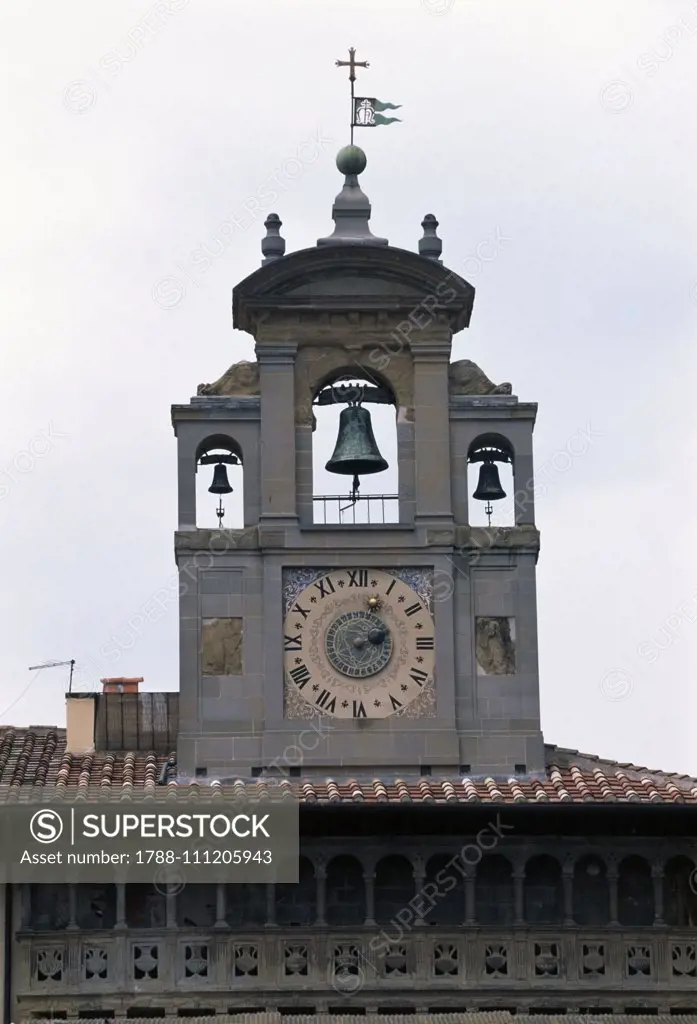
[351, 209]
[272, 246]
[430, 245]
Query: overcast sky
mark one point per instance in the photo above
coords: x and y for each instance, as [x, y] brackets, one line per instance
[132, 132]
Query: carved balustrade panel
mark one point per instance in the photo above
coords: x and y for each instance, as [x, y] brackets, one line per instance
[361, 960]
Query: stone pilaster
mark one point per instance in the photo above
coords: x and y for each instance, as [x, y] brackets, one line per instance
[277, 387]
[432, 430]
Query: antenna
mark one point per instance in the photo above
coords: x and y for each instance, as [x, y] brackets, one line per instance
[57, 664]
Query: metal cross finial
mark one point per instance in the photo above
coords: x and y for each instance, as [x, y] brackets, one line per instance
[352, 64]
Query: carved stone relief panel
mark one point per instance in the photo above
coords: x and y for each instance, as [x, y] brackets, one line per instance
[495, 639]
[221, 644]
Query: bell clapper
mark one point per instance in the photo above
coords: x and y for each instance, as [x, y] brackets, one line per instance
[354, 495]
[220, 512]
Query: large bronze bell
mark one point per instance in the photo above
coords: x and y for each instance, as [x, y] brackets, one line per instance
[489, 487]
[221, 484]
[356, 452]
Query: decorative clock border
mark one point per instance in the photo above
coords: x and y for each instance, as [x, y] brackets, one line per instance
[295, 580]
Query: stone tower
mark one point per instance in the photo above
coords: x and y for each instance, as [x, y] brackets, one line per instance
[405, 647]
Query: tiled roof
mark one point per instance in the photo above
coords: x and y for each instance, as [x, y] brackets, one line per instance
[493, 1017]
[33, 762]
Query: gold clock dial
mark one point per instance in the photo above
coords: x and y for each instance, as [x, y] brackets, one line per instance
[359, 643]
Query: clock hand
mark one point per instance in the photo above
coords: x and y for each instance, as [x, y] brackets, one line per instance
[375, 636]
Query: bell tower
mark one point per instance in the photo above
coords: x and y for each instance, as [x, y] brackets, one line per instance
[324, 635]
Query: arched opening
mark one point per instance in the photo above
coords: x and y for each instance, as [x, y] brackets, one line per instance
[493, 889]
[679, 897]
[490, 483]
[591, 892]
[245, 905]
[49, 909]
[394, 887]
[196, 905]
[543, 891]
[635, 902]
[296, 903]
[449, 896]
[219, 484]
[355, 432]
[95, 906]
[146, 906]
[345, 892]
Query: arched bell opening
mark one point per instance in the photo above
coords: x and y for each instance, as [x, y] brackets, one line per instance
[219, 484]
[354, 451]
[490, 483]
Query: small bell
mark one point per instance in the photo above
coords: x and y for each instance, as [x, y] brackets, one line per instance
[221, 484]
[489, 487]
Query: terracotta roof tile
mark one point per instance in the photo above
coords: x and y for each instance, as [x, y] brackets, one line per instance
[481, 1017]
[34, 763]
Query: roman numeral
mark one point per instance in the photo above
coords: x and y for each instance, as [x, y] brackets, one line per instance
[425, 643]
[301, 611]
[358, 577]
[300, 675]
[395, 703]
[358, 709]
[418, 676]
[325, 587]
[389, 589]
[295, 643]
[326, 701]
[412, 609]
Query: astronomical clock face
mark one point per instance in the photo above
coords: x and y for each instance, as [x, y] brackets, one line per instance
[359, 643]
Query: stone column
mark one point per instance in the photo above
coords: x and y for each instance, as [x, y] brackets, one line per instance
[419, 878]
[220, 901]
[72, 907]
[470, 898]
[432, 430]
[321, 899]
[657, 876]
[277, 386]
[170, 911]
[271, 905]
[568, 882]
[23, 919]
[370, 900]
[519, 894]
[120, 907]
[612, 875]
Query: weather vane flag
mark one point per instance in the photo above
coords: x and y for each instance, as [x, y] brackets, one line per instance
[366, 111]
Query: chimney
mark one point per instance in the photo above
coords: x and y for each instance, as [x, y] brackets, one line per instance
[79, 714]
[121, 684]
